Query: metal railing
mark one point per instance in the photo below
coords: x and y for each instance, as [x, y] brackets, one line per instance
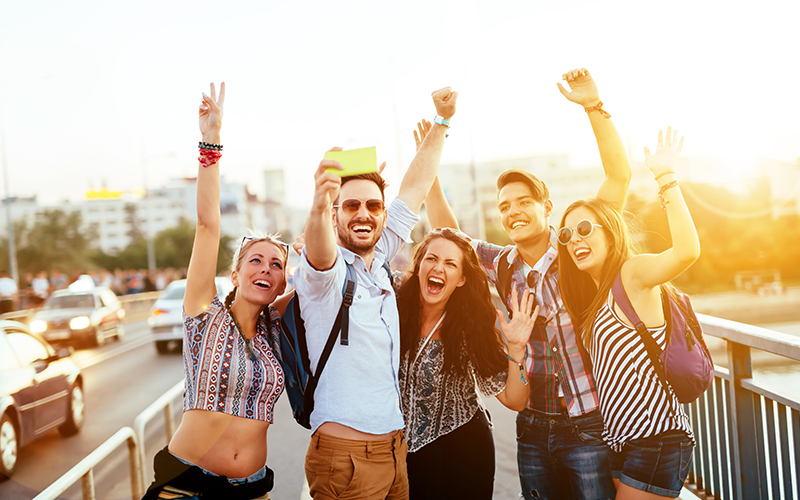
[748, 436]
[133, 304]
[83, 471]
[163, 403]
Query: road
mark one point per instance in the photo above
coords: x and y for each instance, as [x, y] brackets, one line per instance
[122, 378]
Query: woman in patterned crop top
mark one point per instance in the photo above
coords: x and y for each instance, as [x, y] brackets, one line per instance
[645, 426]
[448, 343]
[233, 378]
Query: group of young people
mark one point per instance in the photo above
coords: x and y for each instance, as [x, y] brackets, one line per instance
[396, 410]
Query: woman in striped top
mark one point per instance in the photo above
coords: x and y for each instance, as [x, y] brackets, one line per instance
[646, 428]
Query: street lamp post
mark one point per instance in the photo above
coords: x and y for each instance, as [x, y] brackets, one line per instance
[12, 251]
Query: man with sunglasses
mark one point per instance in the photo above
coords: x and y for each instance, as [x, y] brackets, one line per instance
[357, 442]
[560, 452]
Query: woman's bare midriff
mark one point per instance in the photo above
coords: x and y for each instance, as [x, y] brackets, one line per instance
[224, 444]
[344, 432]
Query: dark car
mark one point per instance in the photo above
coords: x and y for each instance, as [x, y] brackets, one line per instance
[40, 389]
[87, 316]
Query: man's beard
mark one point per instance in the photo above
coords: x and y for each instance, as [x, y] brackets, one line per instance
[357, 246]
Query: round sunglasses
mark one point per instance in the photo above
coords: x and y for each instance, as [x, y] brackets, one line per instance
[351, 206]
[584, 229]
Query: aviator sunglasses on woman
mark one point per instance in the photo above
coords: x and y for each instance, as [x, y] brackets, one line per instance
[583, 229]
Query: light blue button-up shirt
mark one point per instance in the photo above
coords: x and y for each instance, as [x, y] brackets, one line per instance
[358, 387]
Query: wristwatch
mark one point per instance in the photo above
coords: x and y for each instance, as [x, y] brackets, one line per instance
[441, 121]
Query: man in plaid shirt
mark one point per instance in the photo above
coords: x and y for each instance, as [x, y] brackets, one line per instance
[560, 452]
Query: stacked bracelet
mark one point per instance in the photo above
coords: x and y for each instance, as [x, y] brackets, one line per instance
[599, 108]
[208, 145]
[662, 190]
[521, 365]
[209, 153]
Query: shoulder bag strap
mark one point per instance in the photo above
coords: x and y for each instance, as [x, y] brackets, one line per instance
[650, 345]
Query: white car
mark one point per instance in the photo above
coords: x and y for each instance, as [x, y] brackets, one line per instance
[166, 316]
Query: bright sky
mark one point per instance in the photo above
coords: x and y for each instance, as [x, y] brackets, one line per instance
[91, 88]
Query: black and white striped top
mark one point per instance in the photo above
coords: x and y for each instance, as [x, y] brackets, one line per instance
[632, 400]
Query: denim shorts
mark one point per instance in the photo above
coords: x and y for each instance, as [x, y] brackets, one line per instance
[657, 464]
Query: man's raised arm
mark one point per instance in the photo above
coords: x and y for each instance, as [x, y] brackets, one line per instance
[584, 91]
[419, 177]
[320, 240]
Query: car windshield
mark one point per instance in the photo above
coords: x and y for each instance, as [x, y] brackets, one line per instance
[175, 292]
[70, 301]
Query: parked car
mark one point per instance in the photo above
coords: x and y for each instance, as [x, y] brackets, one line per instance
[40, 389]
[88, 316]
[166, 316]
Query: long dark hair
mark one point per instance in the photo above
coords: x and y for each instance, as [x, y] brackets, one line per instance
[582, 298]
[468, 327]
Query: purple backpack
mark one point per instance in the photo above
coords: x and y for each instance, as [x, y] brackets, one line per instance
[685, 361]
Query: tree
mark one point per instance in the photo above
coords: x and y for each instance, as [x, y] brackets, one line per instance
[55, 241]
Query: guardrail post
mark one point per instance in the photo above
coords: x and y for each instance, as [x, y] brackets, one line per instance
[137, 470]
[87, 485]
[169, 424]
[744, 448]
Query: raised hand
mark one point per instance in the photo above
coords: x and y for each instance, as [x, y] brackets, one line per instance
[211, 113]
[299, 243]
[423, 127]
[667, 151]
[445, 102]
[583, 90]
[518, 330]
[326, 184]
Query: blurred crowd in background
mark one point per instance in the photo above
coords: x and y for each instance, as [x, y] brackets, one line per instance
[37, 287]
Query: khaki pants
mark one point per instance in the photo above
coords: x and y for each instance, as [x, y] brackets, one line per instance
[348, 469]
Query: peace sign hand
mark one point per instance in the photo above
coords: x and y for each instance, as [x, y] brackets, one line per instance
[211, 114]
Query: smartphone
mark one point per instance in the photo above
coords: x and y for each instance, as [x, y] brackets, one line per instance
[354, 161]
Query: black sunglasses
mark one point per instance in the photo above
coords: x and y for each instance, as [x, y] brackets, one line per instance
[584, 229]
[351, 206]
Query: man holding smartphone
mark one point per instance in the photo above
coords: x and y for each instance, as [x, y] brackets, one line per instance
[357, 442]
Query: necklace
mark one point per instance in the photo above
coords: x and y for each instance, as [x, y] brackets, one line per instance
[247, 346]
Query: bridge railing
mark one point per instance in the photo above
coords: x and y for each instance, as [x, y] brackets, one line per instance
[748, 436]
[84, 470]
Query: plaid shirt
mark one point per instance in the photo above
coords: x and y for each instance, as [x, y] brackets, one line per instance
[546, 364]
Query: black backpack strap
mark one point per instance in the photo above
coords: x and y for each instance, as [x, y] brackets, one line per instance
[347, 300]
[503, 284]
[650, 345]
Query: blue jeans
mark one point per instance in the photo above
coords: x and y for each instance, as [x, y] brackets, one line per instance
[563, 458]
[657, 464]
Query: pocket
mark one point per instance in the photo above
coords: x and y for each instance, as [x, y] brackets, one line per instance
[344, 474]
[590, 430]
[686, 460]
[522, 426]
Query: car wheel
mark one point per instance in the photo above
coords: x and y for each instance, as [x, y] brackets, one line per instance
[162, 346]
[98, 338]
[76, 412]
[9, 446]
[120, 332]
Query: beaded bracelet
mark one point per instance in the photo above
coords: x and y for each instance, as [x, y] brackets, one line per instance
[599, 108]
[521, 366]
[662, 190]
[209, 153]
[208, 145]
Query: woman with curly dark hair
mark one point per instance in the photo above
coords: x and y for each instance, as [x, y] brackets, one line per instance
[449, 347]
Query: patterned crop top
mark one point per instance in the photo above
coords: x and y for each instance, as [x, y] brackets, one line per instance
[219, 374]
